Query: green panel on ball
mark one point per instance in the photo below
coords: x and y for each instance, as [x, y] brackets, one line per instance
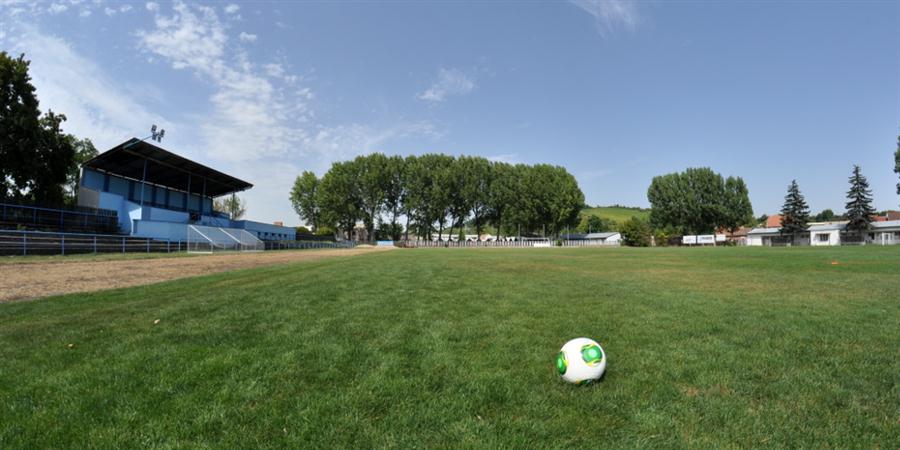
[561, 363]
[591, 354]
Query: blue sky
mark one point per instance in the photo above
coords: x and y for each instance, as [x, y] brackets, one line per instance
[616, 91]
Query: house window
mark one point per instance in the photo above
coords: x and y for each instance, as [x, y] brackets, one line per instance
[822, 237]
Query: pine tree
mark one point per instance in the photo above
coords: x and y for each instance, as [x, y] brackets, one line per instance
[795, 212]
[859, 206]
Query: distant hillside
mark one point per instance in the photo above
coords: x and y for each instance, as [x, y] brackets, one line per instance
[617, 213]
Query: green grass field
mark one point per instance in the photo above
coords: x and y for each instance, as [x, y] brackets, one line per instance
[617, 213]
[707, 347]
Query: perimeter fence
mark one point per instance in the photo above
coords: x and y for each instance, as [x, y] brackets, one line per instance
[24, 243]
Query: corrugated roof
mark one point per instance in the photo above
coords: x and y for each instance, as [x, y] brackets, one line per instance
[164, 168]
[828, 226]
[765, 231]
[605, 235]
[886, 224]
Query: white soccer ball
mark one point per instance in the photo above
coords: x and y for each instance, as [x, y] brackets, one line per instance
[581, 361]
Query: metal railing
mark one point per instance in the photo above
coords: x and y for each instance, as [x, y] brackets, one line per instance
[206, 239]
[61, 219]
[304, 245]
[470, 244]
[24, 243]
[531, 243]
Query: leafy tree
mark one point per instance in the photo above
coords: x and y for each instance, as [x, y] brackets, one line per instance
[324, 230]
[737, 210]
[566, 201]
[503, 194]
[476, 188]
[795, 212]
[859, 204]
[694, 201]
[596, 224]
[305, 199]
[233, 205]
[303, 230]
[339, 198]
[761, 220]
[84, 151]
[636, 233]
[826, 215]
[463, 183]
[440, 189]
[372, 176]
[394, 193]
[36, 156]
[418, 183]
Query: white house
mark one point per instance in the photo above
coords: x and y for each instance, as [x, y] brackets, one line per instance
[762, 236]
[608, 238]
[885, 233]
[826, 233]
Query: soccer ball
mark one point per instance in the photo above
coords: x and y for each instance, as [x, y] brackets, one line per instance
[581, 361]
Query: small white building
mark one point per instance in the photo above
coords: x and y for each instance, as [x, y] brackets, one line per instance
[608, 238]
[826, 233]
[762, 236]
[885, 233]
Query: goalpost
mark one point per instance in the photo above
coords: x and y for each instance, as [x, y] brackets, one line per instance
[205, 239]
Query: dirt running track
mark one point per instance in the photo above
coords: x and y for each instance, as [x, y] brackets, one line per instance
[31, 280]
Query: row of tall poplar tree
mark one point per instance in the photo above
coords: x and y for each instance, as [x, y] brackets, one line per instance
[437, 193]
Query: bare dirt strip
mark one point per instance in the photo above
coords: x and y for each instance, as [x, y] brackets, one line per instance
[31, 280]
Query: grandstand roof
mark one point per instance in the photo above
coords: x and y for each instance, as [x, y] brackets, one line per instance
[164, 168]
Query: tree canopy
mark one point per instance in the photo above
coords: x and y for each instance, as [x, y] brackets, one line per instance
[37, 157]
[304, 198]
[636, 233]
[897, 163]
[233, 205]
[859, 203]
[439, 193]
[699, 201]
[826, 215]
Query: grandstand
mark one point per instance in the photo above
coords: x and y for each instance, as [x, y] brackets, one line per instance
[158, 194]
[139, 196]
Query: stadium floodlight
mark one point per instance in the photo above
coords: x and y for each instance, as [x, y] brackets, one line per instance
[156, 136]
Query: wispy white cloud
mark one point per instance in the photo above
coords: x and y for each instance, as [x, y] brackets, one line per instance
[347, 141]
[57, 8]
[69, 83]
[247, 37]
[449, 82]
[232, 8]
[258, 113]
[610, 15]
[250, 117]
